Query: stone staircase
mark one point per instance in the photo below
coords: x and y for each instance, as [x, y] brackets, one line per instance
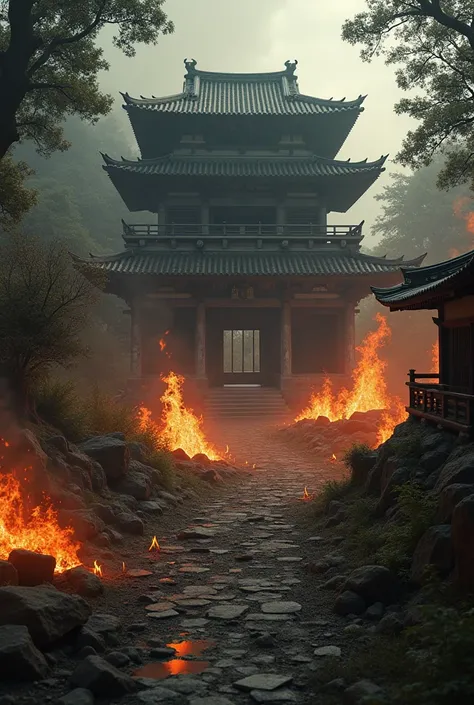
[243, 401]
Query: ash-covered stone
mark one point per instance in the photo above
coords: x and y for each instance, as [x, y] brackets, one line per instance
[84, 583]
[111, 453]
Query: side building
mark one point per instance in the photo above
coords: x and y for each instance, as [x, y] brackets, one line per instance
[240, 274]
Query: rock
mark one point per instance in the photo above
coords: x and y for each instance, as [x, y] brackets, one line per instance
[334, 583]
[336, 519]
[361, 467]
[434, 549]
[389, 494]
[375, 611]
[432, 460]
[458, 470]
[78, 696]
[88, 639]
[104, 624]
[198, 532]
[138, 452]
[48, 613]
[227, 612]
[101, 678]
[275, 696]
[462, 532]
[374, 583]
[328, 651]
[276, 607]
[112, 454]
[158, 696]
[130, 523]
[83, 582]
[32, 568]
[98, 477]
[390, 625]
[361, 690]
[349, 602]
[60, 443]
[86, 524]
[8, 574]
[180, 454]
[19, 658]
[265, 641]
[450, 496]
[136, 485]
[118, 659]
[263, 681]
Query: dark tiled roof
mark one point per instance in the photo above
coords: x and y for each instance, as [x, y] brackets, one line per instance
[246, 263]
[211, 93]
[243, 166]
[427, 285]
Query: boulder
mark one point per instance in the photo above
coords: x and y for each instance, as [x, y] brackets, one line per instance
[374, 583]
[389, 494]
[47, 613]
[361, 692]
[112, 453]
[101, 678]
[20, 660]
[180, 454]
[78, 696]
[361, 466]
[83, 582]
[130, 523]
[462, 532]
[104, 512]
[107, 625]
[85, 523]
[8, 574]
[458, 470]
[58, 442]
[136, 484]
[349, 602]
[98, 477]
[451, 496]
[138, 452]
[32, 568]
[432, 460]
[390, 625]
[434, 549]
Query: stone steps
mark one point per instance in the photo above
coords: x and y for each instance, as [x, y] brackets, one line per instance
[234, 402]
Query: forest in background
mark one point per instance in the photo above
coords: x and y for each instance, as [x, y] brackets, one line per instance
[78, 204]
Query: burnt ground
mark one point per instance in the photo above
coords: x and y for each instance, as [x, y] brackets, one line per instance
[255, 557]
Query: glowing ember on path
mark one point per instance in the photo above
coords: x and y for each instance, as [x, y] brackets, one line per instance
[32, 528]
[154, 546]
[369, 390]
[307, 497]
[97, 570]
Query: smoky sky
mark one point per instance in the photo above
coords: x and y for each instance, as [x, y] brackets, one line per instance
[260, 35]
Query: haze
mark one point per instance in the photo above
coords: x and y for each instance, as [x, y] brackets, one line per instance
[259, 35]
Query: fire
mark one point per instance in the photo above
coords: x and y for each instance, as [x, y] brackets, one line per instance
[307, 497]
[154, 546]
[33, 528]
[463, 209]
[333, 457]
[163, 344]
[124, 567]
[182, 429]
[97, 570]
[390, 418]
[369, 390]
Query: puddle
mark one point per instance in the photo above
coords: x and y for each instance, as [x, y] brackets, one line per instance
[175, 667]
[179, 665]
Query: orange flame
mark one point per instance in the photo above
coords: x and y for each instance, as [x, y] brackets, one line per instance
[124, 567]
[162, 343]
[97, 570]
[34, 529]
[154, 546]
[333, 457]
[306, 495]
[390, 418]
[369, 390]
[463, 209]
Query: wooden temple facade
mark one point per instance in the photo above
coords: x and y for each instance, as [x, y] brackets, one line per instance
[239, 275]
[446, 398]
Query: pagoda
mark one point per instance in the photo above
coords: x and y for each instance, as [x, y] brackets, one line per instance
[239, 275]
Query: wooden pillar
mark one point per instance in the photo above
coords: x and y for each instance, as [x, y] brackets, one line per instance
[286, 340]
[201, 341]
[349, 338]
[135, 341]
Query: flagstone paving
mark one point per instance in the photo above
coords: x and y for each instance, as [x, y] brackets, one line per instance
[249, 598]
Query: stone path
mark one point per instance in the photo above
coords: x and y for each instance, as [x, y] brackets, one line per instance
[231, 592]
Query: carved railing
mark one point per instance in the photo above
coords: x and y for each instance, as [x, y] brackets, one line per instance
[142, 233]
[437, 402]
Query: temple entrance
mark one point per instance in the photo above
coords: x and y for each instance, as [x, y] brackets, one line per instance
[242, 346]
[241, 356]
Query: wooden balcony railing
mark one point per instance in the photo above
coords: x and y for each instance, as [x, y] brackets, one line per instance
[142, 233]
[440, 404]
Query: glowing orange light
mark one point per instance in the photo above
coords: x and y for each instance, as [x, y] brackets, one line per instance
[34, 528]
[163, 344]
[333, 457]
[97, 570]
[154, 546]
[369, 389]
[124, 568]
[306, 496]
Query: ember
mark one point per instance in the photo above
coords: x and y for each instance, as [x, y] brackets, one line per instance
[32, 528]
[163, 345]
[369, 390]
[97, 569]
[154, 546]
[307, 497]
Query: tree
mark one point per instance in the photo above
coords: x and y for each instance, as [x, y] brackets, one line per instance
[50, 60]
[45, 304]
[15, 197]
[432, 43]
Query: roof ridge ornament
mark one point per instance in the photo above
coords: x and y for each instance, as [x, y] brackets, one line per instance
[190, 78]
[290, 79]
[291, 66]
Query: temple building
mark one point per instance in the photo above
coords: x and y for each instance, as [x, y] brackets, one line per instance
[446, 398]
[239, 274]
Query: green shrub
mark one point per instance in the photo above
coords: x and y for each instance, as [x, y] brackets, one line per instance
[58, 405]
[414, 514]
[357, 451]
[330, 491]
[409, 447]
[105, 415]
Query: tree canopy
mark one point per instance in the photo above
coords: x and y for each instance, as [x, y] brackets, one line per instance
[50, 60]
[431, 43]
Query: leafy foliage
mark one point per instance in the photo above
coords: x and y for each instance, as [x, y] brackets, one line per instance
[44, 306]
[354, 453]
[332, 490]
[50, 61]
[15, 197]
[58, 404]
[432, 44]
